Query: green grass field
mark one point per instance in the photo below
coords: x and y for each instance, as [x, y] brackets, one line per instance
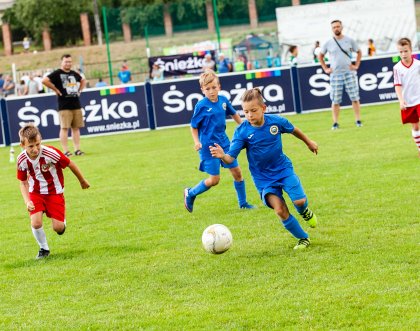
[132, 259]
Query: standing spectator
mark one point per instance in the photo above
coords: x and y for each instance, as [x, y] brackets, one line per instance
[208, 62]
[239, 64]
[68, 85]
[38, 79]
[407, 87]
[371, 48]
[157, 72]
[316, 51]
[32, 85]
[1, 85]
[223, 64]
[277, 61]
[21, 88]
[124, 75]
[26, 44]
[8, 86]
[269, 60]
[342, 71]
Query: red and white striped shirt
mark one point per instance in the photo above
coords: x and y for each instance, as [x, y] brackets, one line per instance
[45, 173]
[409, 79]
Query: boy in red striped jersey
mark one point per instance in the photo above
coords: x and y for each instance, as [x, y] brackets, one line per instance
[407, 87]
[40, 171]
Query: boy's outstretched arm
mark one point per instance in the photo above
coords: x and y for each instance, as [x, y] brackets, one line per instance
[217, 152]
[312, 145]
[197, 143]
[75, 169]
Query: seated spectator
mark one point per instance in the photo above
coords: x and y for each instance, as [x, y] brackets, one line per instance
[223, 64]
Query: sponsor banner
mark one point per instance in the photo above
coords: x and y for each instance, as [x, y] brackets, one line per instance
[174, 100]
[180, 64]
[109, 110]
[376, 84]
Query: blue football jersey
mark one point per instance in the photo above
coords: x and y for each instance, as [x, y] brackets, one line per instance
[264, 149]
[209, 119]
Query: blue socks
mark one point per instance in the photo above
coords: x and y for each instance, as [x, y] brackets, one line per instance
[301, 209]
[240, 192]
[198, 189]
[293, 226]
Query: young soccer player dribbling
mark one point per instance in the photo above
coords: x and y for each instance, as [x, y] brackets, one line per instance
[40, 171]
[208, 126]
[272, 171]
[407, 87]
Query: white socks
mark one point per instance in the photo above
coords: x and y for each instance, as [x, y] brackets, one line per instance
[41, 238]
[416, 137]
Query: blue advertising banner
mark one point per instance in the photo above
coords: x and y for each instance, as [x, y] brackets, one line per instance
[375, 82]
[174, 100]
[107, 110]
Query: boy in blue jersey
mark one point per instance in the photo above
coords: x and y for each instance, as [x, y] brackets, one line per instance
[208, 126]
[271, 170]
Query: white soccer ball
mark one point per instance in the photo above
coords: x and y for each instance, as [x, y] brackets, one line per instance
[216, 239]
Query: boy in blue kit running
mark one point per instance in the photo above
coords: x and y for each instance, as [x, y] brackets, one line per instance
[208, 126]
[271, 170]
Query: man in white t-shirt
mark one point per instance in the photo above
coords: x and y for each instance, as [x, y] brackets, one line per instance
[407, 87]
[343, 73]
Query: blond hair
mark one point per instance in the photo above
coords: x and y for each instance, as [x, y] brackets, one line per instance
[29, 132]
[404, 42]
[253, 94]
[207, 77]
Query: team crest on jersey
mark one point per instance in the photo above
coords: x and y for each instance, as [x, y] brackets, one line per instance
[45, 167]
[274, 130]
[224, 105]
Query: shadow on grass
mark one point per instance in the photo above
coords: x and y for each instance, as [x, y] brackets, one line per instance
[95, 253]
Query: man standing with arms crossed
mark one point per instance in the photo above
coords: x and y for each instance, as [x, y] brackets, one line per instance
[68, 85]
[343, 73]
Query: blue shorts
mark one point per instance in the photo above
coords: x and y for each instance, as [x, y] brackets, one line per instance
[339, 81]
[212, 166]
[290, 184]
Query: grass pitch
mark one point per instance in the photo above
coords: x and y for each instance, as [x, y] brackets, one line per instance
[132, 259]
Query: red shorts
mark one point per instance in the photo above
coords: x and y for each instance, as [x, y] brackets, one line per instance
[410, 114]
[53, 205]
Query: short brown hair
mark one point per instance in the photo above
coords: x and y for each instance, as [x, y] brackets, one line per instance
[65, 56]
[404, 42]
[207, 77]
[336, 21]
[29, 132]
[253, 94]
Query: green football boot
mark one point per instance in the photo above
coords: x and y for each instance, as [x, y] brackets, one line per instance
[309, 217]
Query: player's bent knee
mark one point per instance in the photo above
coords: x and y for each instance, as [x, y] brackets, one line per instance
[299, 202]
